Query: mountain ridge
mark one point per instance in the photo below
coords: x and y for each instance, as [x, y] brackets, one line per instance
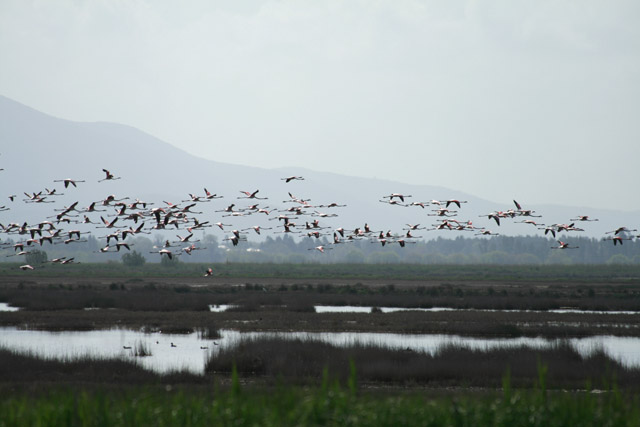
[44, 148]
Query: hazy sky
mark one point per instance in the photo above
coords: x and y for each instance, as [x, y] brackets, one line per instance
[533, 100]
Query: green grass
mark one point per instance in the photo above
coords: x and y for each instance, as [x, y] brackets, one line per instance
[328, 404]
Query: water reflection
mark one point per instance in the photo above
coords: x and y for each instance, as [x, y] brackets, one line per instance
[4, 306]
[365, 309]
[190, 352]
[219, 308]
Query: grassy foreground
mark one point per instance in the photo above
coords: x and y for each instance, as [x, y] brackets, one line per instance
[328, 404]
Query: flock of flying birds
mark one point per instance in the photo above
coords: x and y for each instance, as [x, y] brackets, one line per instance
[123, 217]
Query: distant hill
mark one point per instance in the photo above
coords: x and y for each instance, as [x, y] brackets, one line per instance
[37, 149]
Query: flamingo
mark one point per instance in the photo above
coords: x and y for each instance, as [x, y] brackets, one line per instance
[122, 245]
[618, 239]
[442, 212]
[398, 195]
[455, 202]
[319, 249]
[87, 220]
[494, 215]
[621, 230]
[234, 240]
[321, 214]
[109, 224]
[256, 228]
[250, 195]
[421, 204]
[26, 267]
[292, 178]
[111, 198]
[530, 221]
[209, 272]
[53, 192]
[68, 181]
[109, 176]
[166, 252]
[583, 218]
[403, 242]
[92, 208]
[563, 245]
[187, 208]
[393, 202]
[210, 196]
[484, 232]
[135, 204]
[549, 229]
[228, 208]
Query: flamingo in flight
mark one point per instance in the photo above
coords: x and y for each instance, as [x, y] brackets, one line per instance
[621, 230]
[398, 195]
[68, 181]
[564, 245]
[109, 176]
[292, 178]
[583, 218]
[455, 202]
[209, 195]
[319, 249]
[618, 239]
[250, 195]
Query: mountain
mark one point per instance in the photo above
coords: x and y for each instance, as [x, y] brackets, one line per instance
[38, 149]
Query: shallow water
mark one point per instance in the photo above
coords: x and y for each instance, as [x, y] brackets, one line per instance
[188, 354]
[219, 308]
[4, 306]
[365, 309]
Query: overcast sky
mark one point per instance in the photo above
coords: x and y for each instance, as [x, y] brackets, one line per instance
[533, 100]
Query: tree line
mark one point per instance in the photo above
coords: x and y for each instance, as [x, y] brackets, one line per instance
[496, 250]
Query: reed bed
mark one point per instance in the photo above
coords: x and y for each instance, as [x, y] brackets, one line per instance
[303, 360]
[194, 294]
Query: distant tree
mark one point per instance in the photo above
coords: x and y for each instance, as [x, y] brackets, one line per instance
[354, 256]
[133, 259]
[383, 258]
[619, 259]
[36, 257]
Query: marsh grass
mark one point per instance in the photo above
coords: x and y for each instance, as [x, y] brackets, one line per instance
[209, 332]
[303, 361]
[329, 403]
[189, 294]
[141, 349]
[116, 392]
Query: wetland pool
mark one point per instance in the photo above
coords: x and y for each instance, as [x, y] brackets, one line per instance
[172, 352]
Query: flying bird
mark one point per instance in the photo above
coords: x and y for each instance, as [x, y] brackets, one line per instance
[109, 176]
